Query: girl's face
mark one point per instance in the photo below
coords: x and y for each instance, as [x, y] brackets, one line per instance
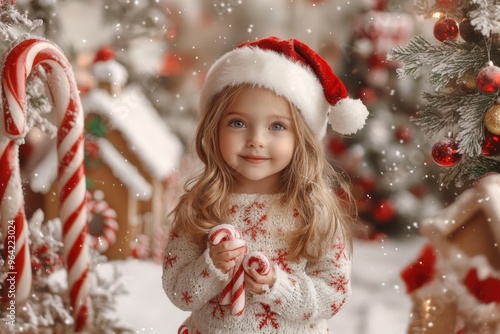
[257, 139]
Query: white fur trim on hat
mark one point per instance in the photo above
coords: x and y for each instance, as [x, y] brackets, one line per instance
[268, 69]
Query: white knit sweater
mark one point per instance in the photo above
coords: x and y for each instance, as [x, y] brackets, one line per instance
[304, 294]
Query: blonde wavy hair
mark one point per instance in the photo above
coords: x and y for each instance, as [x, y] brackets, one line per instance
[309, 183]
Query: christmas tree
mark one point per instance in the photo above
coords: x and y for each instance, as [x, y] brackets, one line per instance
[392, 176]
[461, 114]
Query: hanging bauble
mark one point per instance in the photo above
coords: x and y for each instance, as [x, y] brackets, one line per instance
[492, 119]
[491, 144]
[445, 152]
[468, 32]
[488, 79]
[336, 146]
[404, 134]
[384, 211]
[447, 4]
[446, 28]
[368, 95]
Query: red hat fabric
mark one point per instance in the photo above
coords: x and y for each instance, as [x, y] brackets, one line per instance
[293, 70]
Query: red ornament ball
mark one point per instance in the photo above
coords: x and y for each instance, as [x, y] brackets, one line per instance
[336, 146]
[447, 4]
[368, 95]
[404, 134]
[445, 152]
[446, 28]
[488, 79]
[384, 211]
[491, 144]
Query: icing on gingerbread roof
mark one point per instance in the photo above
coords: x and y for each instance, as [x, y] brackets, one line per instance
[147, 134]
[485, 196]
[45, 172]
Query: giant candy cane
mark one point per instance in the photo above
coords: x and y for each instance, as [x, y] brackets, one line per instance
[19, 63]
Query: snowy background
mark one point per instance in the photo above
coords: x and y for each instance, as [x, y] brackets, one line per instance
[378, 303]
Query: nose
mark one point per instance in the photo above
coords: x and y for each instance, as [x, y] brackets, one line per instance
[255, 139]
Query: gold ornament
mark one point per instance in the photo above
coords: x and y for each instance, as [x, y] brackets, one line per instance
[492, 119]
[469, 80]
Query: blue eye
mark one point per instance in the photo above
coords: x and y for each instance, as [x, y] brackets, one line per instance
[277, 127]
[237, 123]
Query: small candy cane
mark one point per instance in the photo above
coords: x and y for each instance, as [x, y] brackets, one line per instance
[257, 261]
[184, 330]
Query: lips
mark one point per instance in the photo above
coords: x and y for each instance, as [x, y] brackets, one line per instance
[254, 158]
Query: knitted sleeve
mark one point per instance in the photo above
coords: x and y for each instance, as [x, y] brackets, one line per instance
[319, 292]
[190, 278]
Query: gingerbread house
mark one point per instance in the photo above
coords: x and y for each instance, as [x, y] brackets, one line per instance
[130, 155]
[461, 289]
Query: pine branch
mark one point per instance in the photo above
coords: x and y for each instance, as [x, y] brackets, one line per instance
[411, 56]
[447, 60]
[471, 124]
[485, 17]
[439, 114]
[468, 170]
[443, 112]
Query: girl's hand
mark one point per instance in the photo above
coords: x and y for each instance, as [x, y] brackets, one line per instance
[225, 254]
[257, 283]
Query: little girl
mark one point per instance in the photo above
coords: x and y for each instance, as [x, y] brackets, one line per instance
[265, 107]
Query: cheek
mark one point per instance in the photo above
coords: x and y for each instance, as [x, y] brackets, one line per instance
[226, 146]
[285, 148]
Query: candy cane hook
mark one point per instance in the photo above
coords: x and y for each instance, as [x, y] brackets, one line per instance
[19, 63]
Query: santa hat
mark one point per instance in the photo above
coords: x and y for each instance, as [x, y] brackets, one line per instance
[293, 70]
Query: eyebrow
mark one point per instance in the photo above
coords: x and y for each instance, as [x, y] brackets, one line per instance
[236, 113]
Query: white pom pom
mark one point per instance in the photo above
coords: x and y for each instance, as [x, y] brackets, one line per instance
[348, 116]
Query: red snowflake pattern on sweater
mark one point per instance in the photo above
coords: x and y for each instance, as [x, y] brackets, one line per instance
[268, 317]
[205, 273]
[307, 316]
[254, 217]
[340, 283]
[233, 209]
[169, 261]
[335, 308]
[339, 253]
[280, 259]
[217, 310]
[186, 297]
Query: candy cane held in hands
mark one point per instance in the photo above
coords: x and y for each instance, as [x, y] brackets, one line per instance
[233, 293]
[18, 64]
[257, 261]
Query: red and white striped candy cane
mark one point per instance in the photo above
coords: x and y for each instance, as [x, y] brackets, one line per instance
[233, 293]
[257, 261]
[19, 63]
[184, 330]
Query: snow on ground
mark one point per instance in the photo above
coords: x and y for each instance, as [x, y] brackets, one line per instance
[378, 304]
